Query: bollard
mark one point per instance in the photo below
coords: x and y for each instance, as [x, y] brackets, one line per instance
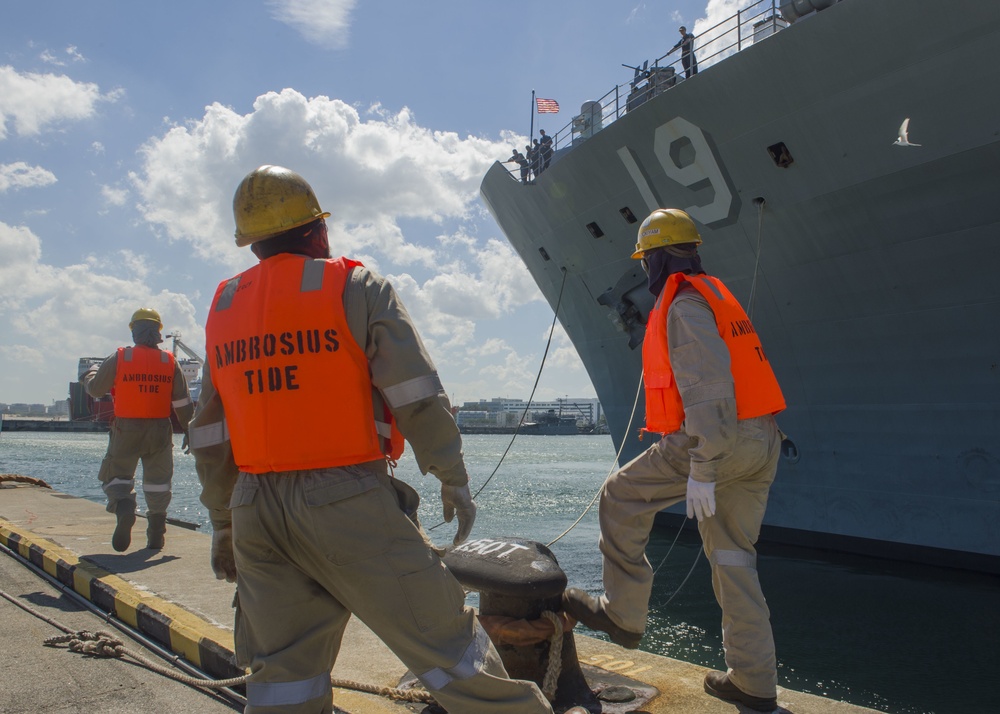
[521, 579]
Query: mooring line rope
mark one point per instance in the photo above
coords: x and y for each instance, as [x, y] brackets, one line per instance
[18, 478]
[104, 644]
[611, 471]
[554, 668]
[517, 428]
[756, 268]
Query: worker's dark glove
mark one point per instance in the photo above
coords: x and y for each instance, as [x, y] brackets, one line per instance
[700, 499]
[185, 446]
[458, 499]
[223, 560]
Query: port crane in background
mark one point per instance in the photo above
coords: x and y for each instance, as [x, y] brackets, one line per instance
[176, 337]
[191, 365]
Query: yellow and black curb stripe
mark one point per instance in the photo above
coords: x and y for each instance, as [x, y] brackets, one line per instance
[206, 646]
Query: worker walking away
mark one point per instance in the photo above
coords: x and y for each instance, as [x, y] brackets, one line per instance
[711, 393]
[146, 383]
[314, 373]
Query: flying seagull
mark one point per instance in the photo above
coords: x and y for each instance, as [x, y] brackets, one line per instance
[904, 139]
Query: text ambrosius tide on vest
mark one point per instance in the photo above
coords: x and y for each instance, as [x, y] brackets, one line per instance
[300, 342]
[142, 377]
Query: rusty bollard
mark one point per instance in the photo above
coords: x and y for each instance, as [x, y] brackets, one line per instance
[521, 579]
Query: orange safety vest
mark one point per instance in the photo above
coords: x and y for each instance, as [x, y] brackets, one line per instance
[144, 383]
[295, 386]
[757, 390]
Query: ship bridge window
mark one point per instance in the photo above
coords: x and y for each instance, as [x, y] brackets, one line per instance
[628, 215]
[780, 155]
[595, 230]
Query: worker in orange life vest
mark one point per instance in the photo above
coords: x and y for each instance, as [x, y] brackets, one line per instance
[313, 371]
[711, 393]
[146, 383]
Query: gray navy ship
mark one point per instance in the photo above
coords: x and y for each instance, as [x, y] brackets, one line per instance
[842, 161]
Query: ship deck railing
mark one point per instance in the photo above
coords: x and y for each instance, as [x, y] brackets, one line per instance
[747, 27]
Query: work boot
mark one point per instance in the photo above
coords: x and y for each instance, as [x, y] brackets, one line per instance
[125, 513]
[718, 685]
[156, 527]
[589, 610]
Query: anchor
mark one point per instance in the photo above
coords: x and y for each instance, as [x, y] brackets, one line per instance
[517, 581]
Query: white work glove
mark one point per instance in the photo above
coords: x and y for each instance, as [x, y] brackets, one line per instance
[223, 560]
[700, 499]
[459, 499]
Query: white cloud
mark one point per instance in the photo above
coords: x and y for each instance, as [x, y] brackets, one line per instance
[20, 175]
[78, 309]
[370, 174]
[71, 52]
[34, 102]
[114, 196]
[404, 200]
[48, 58]
[322, 22]
[717, 32]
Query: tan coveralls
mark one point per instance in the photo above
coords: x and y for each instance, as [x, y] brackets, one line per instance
[131, 440]
[313, 547]
[740, 456]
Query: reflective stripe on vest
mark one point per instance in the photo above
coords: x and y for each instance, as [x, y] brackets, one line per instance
[295, 384]
[144, 383]
[757, 390]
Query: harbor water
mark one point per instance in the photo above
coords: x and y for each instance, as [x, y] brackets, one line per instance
[892, 636]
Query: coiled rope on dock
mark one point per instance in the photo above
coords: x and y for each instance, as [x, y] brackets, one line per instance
[104, 644]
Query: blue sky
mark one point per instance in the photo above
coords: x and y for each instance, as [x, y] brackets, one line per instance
[125, 128]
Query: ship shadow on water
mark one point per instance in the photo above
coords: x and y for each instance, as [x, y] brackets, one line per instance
[894, 636]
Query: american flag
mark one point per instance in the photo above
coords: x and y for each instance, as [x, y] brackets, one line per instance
[547, 106]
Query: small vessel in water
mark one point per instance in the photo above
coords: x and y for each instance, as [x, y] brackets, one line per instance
[549, 423]
[867, 262]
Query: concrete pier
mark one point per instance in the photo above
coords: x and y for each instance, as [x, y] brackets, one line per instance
[172, 596]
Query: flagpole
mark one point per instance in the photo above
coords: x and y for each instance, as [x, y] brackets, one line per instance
[531, 132]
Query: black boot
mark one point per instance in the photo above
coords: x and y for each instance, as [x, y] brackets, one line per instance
[125, 513]
[718, 685]
[155, 530]
[588, 609]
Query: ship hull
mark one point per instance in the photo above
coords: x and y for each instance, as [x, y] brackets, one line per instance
[872, 266]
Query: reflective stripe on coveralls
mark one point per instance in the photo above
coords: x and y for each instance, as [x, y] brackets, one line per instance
[209, 435]
[276, 694]
[413, 390]
[471, 664]
[130, 482]
[737, 558]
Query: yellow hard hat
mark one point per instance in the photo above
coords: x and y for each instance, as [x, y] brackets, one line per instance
[271, 200]
[145, 313]
[665, 226]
